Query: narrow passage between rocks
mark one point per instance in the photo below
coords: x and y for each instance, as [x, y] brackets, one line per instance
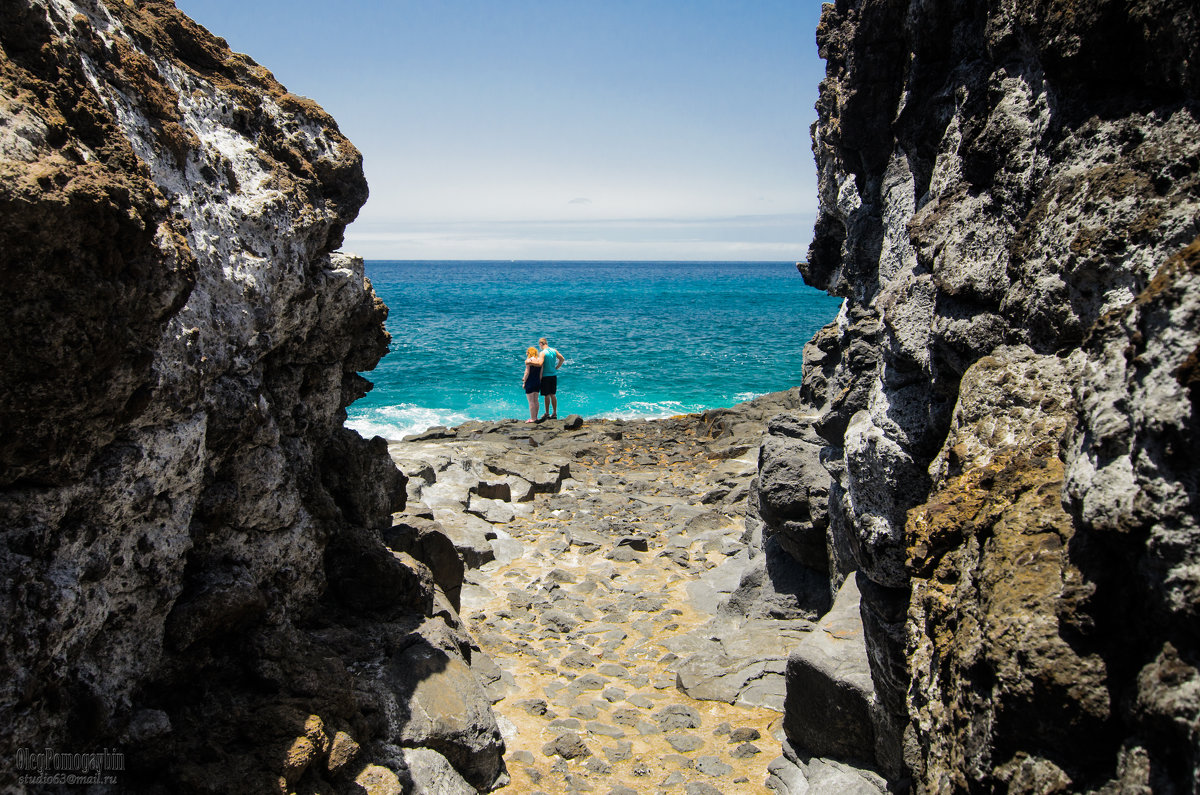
[601, 559]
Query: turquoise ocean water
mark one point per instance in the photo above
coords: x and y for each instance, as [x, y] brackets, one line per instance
[641, 339]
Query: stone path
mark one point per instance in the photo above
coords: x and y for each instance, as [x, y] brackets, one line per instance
[597, 600]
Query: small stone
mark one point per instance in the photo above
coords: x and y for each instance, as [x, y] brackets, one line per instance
[598, 766]
[684, 743]
[603, 729]
[377, 779]
[614, 636]
[561, 576]
[587, 682]
[701, 788]
[745, 750]
[568, 746]
[523, 757]
[626, 716]
[640, 769]
[646, 727]
[565, 723]
[533, 706]
[648, 603]
[712, 766]
[744, 735]
[314, 729]
[148, 724]
[723, 728]
[677, 556]
[585, 712]
[638, 700]
[621, 789]
[297, 758]
[558, 620]
[639, 543]
[614, 694]
[673, 780]
[578, 659]
[577, 784]
[619, 752]
[342, 751]
[677, 716]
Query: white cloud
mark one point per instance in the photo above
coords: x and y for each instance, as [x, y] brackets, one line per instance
[763, 237]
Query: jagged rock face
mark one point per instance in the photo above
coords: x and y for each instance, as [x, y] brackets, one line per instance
[1001, 184]
[184, 518]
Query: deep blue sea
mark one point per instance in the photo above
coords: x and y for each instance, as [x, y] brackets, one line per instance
[641, 339]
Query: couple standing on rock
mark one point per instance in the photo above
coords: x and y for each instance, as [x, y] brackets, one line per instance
[541, 376]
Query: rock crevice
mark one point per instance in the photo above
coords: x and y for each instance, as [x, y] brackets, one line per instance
[1006, 403]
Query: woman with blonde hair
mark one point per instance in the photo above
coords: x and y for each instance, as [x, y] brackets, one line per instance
[532, 380]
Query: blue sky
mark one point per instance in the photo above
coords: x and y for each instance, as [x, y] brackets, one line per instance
[558, 129]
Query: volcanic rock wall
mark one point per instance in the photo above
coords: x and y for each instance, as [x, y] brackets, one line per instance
[190, 565]
[1007, 405]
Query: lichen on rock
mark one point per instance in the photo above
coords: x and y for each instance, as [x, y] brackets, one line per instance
[185, 522]
[1008, 205]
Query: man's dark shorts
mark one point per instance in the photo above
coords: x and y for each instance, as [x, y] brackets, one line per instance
[549, 385]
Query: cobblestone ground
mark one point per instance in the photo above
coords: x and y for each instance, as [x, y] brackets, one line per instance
[588, 616]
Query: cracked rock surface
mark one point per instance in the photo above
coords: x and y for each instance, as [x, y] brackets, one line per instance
[1005, 408]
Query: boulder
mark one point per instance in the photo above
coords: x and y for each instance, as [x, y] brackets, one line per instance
[470, 535]
[797, 773]
[425, 541]
[791, 491]
[774, 585]
[367, 576]
[441, 705]
[430, 773]
[830, 693]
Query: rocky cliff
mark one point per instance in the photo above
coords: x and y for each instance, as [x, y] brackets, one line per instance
[1006, 408]
[192, 571]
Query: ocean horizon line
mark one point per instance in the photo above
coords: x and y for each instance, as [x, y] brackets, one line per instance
[641, 339]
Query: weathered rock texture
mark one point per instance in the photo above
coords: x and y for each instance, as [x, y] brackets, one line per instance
[190, 549]
[1007, 404]
[632, 632]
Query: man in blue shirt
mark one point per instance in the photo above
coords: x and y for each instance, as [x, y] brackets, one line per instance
[551, 360]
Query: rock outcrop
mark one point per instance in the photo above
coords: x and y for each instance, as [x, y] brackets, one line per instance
[191, 565]
[1007, 404]
[633, 629]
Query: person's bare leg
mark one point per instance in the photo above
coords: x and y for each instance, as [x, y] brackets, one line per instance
[554, 402]
[532, 397]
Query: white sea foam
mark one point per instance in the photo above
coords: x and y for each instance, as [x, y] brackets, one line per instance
[396, 422]
[642, 410]
[742, 397]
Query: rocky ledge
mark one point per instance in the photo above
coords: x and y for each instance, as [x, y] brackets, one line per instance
[633, 628]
